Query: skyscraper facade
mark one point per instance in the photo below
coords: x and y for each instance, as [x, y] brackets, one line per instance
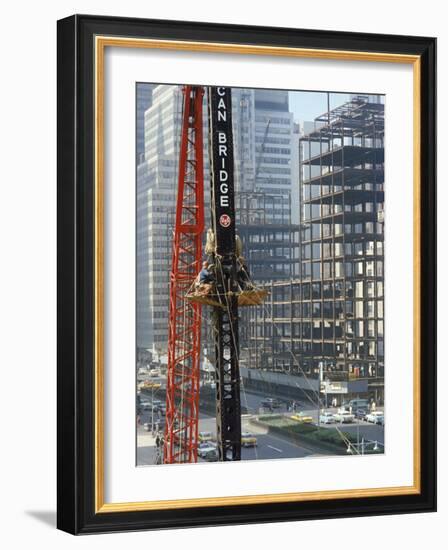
[268, 198]
[156, 175]
[276, 165]
[143, 103]
[263, 134]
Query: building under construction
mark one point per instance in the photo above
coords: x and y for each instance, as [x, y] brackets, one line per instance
[270, 242]
[271, 246]
[328, 320]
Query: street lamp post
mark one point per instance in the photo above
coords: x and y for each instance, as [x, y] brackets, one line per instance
[321, 379]
[152, 410]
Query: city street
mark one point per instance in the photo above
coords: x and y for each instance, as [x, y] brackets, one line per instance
[269, 446]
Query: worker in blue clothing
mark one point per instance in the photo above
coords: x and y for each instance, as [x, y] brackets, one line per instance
[205, 275]
[205, 280]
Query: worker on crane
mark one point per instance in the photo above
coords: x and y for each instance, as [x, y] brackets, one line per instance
[205, 280]
[205, 275]
[243, 275]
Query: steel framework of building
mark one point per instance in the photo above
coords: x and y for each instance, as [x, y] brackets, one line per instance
[333, 312]
[182, 413]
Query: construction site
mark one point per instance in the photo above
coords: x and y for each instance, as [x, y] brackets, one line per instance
[327, 319]
[276, 308]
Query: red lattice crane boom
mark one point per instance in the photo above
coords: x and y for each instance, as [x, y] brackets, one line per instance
[182, 413]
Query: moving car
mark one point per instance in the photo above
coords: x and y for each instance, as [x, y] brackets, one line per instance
[344, 417]
[357, 404]
[248, 440]
[376, 417]
[304, 418]
[205, 448]
[148, 386]
[159, 407]
[205, 436]
[360, 414]
[271, 402]
[327, 418]
[211, 455]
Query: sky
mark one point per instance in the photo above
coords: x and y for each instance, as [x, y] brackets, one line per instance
[306, 106]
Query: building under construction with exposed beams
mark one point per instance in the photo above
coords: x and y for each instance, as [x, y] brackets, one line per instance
[328, 321]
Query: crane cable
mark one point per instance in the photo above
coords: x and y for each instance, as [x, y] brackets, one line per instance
[234, 338]
[318, 403]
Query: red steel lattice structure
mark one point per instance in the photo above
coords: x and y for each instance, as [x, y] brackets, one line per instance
[182, 412]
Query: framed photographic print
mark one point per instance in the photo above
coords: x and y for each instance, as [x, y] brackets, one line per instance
[246, 274]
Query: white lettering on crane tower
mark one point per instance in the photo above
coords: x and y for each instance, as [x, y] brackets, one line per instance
[223, 174]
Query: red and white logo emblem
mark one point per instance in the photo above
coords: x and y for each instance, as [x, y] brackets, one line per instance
[224, 220]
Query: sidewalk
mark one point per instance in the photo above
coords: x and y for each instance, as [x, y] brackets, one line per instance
[145, 440]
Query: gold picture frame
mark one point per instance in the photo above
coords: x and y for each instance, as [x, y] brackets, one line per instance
[96, 35]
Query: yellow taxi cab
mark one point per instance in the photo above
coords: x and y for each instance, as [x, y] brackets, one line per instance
[149, 385]
[300, 417]
[248, 440]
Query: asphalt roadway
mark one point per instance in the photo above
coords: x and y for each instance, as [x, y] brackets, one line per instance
[269, 446]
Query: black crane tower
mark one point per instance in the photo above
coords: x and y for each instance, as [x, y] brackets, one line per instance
[225, 317]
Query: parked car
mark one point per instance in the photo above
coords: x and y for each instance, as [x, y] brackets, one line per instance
[248, 440]
[344, 417]
[376, 417]
[300, 417]
[271, 402]
[145, 405]
[327, 418]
